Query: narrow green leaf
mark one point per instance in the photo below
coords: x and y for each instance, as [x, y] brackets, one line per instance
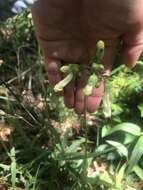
[73, 147]
[116, 109]
[105, 130]
[64, 140]
[13, 166]
[122, 150]
[125, 127]
[105, 179]
[140, 107]
[101, 149]
[93, 178]
[136, 154]
[13, 173]
[35, 178]
[139, 171]
[130, 188]
[81, 155]
[5, 167]
[120, 176]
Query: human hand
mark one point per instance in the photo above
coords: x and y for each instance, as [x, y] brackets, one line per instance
[68, 31]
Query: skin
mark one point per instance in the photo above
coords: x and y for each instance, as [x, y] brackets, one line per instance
[68, 31]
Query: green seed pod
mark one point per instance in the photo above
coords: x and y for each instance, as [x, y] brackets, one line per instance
[60, 85]
[88, 90]
[93, 80]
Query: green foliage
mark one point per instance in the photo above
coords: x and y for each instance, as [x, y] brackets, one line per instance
[43, 151]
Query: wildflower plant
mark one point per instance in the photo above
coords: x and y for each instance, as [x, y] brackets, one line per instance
[95, 70]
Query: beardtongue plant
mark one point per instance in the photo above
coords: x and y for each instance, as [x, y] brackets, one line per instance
[95, 72]
[96, 75]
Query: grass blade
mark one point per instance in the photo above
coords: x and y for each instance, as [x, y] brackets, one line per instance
[136, 154]
[139, 171]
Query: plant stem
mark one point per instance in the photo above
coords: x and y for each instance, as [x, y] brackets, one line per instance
[86, 136]
[98, 136]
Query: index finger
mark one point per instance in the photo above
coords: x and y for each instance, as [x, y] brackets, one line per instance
[53, 68]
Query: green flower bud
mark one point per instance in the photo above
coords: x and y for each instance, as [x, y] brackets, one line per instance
[100, 45]
[99, 52]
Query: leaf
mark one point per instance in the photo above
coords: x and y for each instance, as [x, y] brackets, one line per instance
[5, 167]
[122, 150]
[125, 127]
[116, 109]
[105, 179]
[2, 113]
[81, 155]
[101, 149]
[13, 167]
[73, 147]
[140, 107]
[12, 153]
[130, 188]
[136, 154]
[64, 140]
[129, 138]
[120, 176]
[93, 178]
[139, 171]
[13, 173]
[3, 90]
[105, 130]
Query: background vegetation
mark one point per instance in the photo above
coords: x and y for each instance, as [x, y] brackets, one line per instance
[44, 146]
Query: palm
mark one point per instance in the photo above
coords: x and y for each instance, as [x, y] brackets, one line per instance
[68, 31]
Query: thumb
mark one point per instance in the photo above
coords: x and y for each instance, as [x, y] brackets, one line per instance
[132, 48]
